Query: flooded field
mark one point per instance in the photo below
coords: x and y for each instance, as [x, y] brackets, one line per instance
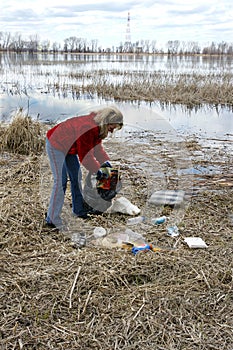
[193, 94]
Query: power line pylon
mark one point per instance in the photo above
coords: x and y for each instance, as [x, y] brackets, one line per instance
[128, 35]
[128, 44]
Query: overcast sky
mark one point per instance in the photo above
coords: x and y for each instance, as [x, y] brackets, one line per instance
[203, 21]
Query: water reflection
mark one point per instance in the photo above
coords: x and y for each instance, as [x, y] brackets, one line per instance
[41, 84]
[47, 108]
[131, 62]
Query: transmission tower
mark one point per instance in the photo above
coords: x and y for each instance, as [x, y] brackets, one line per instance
[128, 36]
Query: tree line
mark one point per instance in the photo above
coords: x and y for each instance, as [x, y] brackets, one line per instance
[73, 44]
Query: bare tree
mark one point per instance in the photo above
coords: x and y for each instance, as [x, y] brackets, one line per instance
[33, 43]
[70, 43]
[45, 45]
[153, 46]
[84, 44]
[222, 48]
[147, 46]
[173, 47]
[5, 40]
[230, 49]
[94, 44]
[56, 46]
[17, 43]
[128, 47]
[191, 47]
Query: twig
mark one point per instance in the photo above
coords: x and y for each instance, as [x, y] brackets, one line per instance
[86, 302]
[74, 283]
[139, 310]
[20, 343]
[64, 330]
[207, 283]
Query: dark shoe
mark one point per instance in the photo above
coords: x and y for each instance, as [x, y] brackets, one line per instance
[94, 212]
[84, 216]
[50, 226]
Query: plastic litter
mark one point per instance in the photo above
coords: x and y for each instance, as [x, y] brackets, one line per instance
[144, 248]
[167, 197]
[116, 239]
[79, 239]
[124, 206]
[173, 231]
[99, 232]
[195, 242]
[136, 220]
[158, 221]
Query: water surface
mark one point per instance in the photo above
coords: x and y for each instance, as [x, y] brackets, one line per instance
[25, 82]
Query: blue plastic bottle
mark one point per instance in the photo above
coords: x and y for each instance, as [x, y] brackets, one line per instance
[159, 221]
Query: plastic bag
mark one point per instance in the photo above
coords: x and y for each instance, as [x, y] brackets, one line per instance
[93, 199]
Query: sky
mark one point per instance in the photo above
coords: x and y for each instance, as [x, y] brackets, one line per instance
[202, 21]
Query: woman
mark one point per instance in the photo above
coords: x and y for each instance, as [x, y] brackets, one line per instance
[75, 140]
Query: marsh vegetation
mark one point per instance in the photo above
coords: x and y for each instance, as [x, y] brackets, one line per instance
[188, 81]
[55, 296]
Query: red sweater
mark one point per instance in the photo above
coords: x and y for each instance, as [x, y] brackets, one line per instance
[80, 135]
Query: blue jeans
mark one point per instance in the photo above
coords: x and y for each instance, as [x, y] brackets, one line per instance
[57, 163]
[71, 167]
[56, 159]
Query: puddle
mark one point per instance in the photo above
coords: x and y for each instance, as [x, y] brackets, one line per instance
[201, 170]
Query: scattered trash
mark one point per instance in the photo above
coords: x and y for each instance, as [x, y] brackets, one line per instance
[158, 221]
[99, 232]
[115, 239]
[143, 248]
[136, 220]
[167, 197]
[78, 239]
[139, 219]
[195, 242]
[124, 206]
[173, 231]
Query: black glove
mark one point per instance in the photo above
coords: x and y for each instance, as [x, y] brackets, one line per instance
[106, 165]
[99, 175]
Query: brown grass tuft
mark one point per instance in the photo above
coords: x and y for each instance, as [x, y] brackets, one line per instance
[23, 135]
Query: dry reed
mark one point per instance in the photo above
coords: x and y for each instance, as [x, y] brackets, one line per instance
[190, 90]
[56, 297]
[23, 135]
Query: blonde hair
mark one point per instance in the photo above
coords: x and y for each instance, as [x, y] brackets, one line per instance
[106, 116]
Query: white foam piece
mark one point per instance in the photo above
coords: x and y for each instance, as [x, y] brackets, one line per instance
[124, 206]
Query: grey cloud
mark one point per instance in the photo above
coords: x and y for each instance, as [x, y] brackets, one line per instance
[204, 10]
[193, 11]
[111, 6]
[21, 15]
[175, 26]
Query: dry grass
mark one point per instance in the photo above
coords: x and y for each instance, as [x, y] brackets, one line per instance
[56, 297]
[191, 90]
[23, 135]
